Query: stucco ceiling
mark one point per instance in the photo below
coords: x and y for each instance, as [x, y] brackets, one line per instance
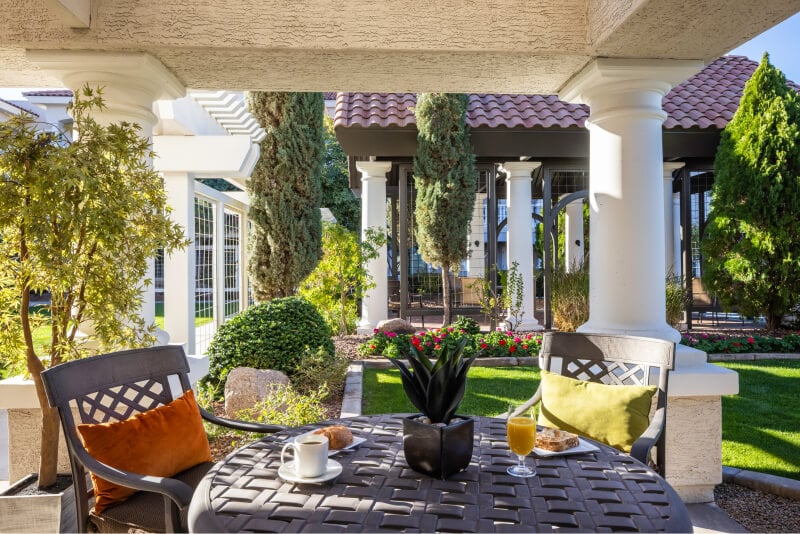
[500, 46]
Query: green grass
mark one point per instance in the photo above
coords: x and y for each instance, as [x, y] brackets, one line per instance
[198, 321]
[761, 425]
[489, 390]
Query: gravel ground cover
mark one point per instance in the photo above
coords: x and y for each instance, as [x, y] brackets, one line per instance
[756, 511]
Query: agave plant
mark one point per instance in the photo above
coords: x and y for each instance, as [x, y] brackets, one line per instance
[436, 389]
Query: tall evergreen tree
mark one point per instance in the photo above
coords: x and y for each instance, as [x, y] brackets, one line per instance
[336, 192]
[445, 179]
[285, 192]
[751, 247]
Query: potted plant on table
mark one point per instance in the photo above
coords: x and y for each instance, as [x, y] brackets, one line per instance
[437, 442]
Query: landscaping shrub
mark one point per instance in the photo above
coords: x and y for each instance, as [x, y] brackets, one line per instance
[318, 369]
[732, 344]
[506, 343]
[570, 299]
[676, 301]
[497, 343]
[285, 406]
[467, 324]
[277, 334]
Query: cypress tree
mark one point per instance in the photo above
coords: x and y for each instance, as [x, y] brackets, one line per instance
[445, 179]
[285, 192]
[336, 192]
[751, 250]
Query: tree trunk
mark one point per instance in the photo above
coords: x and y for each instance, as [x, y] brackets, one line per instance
[773, 321]
[446, 319]
[48, 459]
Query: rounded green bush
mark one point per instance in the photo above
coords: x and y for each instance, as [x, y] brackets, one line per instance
[273, 335]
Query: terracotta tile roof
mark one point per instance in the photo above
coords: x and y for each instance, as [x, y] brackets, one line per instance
[706, 100]
[374, 109]
[49, 92]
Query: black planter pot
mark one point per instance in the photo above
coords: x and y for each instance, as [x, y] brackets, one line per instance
[438, 451]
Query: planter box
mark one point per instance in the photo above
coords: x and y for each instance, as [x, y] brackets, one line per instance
[37, 513]
[438, 451]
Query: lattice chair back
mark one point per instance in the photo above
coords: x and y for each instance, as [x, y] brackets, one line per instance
[107, 388]
[615, 360]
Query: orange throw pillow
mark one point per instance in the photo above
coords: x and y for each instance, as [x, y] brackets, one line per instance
[160, 442]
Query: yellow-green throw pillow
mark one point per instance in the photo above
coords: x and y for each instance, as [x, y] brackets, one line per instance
[614, 415]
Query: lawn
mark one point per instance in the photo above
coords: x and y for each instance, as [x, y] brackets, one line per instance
[489, 390]
[760, 425]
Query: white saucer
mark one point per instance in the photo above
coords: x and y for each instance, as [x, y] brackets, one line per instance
[287, 473]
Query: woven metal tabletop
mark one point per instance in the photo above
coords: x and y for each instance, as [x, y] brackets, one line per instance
[377, 491]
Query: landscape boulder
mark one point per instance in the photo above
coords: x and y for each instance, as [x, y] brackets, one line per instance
[398, 326]
[246, 387]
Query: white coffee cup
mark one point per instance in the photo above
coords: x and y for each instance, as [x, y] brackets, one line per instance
[310, 455]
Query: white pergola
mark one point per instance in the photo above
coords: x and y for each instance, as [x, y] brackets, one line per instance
[620, 57]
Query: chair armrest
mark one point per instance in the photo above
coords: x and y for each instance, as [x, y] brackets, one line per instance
[241, 425]
[179, 492]
[641, 447]
[529, 403]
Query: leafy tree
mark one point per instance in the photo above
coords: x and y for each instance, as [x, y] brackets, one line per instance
[78, 220]
[336, 193]
[751, 249]
[285, 192]
[445, 179]
[340, 280]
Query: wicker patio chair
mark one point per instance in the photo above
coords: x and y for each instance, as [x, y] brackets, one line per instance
[615, 360]
[113, 387]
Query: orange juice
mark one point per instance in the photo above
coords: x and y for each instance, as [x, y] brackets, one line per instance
[521, 435]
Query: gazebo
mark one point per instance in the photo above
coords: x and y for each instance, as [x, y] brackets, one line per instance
[549, 135]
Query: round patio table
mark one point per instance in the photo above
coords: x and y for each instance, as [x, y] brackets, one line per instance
[377, 491]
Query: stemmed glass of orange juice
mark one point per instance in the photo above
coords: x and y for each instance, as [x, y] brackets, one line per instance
[521, 432]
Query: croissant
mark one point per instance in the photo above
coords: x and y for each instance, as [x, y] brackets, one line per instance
[338, 436]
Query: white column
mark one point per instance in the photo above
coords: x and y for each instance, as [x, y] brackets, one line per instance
[374, 306]
[179, 267]
[520, 235]
[669, 226]
[573, 236]
[477, 256]
[626, 267]
[131, 82]
[219, 263]
[676, 231]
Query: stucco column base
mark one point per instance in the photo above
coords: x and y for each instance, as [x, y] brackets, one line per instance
[525, 325]
[693, 448]
[664, 331]
[24, 443]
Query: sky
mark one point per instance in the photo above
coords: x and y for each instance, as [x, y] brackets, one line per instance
[780, 41]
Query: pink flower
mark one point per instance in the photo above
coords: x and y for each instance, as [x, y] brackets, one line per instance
[391, 334]
[374, 330]
[751, 340]
[517, 340]
[450, 329]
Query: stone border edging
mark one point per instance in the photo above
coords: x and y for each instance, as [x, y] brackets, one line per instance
[784, 487]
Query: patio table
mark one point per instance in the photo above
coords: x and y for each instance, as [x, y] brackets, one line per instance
[377, 491]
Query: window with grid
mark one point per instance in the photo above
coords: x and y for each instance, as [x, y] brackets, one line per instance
[232, 255]
[204, 272]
